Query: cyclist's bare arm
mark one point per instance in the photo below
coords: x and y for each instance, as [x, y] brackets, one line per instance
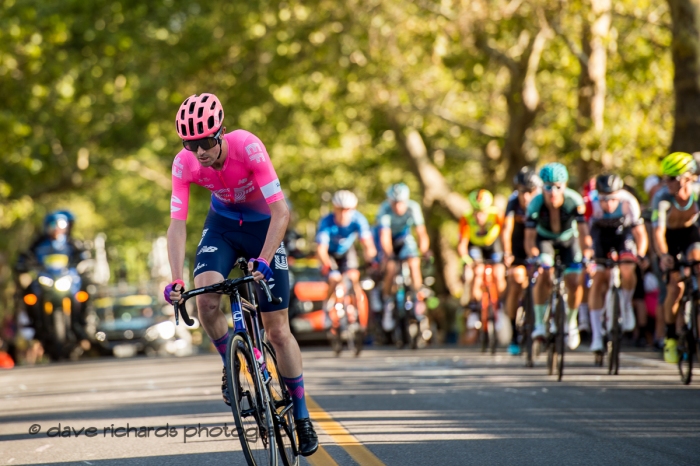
[507, 235]
[660, 240]
[531, 242]
[322, 253]
[639, 233]
[177, 237]
[385, 241]
[423, 239]
[584, 236]
[463, 246]
[368, 247]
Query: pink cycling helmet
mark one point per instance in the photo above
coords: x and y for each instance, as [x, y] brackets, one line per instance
[199, 116]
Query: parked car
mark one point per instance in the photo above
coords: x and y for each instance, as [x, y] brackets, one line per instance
[138, 324]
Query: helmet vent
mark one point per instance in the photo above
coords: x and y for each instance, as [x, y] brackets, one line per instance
[210, 122]
[191, 125]
[183, 130]
[213, 104]
[200, 112]
[205, 98]
[200, 128]
[191, 110]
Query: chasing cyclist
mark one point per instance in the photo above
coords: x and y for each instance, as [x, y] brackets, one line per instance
[395, 218]
[480, 240]
[247, 217]
[527, 185]
[555, 221]
[336, 237]
[615, 222]
[675, 211]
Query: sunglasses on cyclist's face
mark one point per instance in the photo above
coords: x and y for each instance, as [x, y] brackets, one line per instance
[609, 198]
[549, 187]
[204, 143]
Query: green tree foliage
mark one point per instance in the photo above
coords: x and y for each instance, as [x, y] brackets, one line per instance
[90, 90]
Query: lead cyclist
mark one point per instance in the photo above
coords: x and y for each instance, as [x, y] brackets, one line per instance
[248, 216]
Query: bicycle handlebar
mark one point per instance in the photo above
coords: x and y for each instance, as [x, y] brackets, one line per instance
[225, 287]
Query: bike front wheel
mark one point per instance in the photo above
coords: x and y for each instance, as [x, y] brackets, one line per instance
[559, 337]
[686, 354]
[281, 411]
[615, 337]
[251, 411]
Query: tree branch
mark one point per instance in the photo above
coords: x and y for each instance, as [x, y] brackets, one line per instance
[481, 129]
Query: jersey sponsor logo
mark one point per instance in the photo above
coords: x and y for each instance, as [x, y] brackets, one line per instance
[253, 148]
[204, 232]
[199, 266]
[177, 167]
[255, 152]
[203, 180]
[174, 200]
[241, 193]
[223, 195]
[243, 181]
[271, 188]
[281, 262]
[207, 249]
[209, 186]
[281, 250]
[271, 283]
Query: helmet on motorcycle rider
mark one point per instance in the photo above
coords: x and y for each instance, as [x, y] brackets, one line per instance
[398, 192]
[55, 220]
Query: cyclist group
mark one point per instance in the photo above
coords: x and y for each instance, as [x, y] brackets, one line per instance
[248, 217]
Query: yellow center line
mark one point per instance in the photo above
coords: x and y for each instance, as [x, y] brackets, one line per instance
[341, 436]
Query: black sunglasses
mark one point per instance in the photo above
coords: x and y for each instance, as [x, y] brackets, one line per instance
[204, 143]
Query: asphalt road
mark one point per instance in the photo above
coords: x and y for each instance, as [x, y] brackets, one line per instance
[429, 407]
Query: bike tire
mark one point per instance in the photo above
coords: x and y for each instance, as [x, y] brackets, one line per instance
[615, 337]
[281, 411]
[493, 338]
[686, 350]
[559, 337]
[251, 413]
[528, 325]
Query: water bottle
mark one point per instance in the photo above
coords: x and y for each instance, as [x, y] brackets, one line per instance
[261, 364]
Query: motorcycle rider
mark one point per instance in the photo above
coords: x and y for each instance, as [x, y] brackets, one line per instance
[54, 240]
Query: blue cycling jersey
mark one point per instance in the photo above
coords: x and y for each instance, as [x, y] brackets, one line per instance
[341, 238]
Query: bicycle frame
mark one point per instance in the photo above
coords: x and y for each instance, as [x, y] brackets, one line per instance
[489, 294]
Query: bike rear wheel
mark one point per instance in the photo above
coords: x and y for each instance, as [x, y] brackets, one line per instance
[252, 414]
[615, 337]
[528, 325]
[281, 411]
[557, 352]
[686, 354]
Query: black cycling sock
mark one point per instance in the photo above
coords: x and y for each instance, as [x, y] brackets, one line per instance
[514, 339]
[671, 331]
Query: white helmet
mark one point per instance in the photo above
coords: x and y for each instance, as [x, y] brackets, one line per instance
[344, 199]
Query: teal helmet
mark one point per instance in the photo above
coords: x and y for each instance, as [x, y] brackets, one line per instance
[554, 173]
[398, 192]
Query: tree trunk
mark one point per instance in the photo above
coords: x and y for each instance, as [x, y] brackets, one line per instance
[437, 195]
[592, 90]
[686, 81]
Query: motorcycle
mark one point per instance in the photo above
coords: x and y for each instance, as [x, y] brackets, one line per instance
[56, 304]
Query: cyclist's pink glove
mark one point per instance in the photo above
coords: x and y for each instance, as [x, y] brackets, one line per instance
[169, 289]
[263, 267]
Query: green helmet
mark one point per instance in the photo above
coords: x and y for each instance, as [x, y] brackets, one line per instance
[481, 199]
[554, 173]
[678, 163]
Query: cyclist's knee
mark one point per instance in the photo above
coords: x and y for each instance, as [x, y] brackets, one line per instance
[517, 275]
[354, 275]
[208, 305]
[278, 332]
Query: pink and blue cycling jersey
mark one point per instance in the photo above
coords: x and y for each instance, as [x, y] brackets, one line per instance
[241, 190]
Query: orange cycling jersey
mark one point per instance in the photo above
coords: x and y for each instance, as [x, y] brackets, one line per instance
[484, 235]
